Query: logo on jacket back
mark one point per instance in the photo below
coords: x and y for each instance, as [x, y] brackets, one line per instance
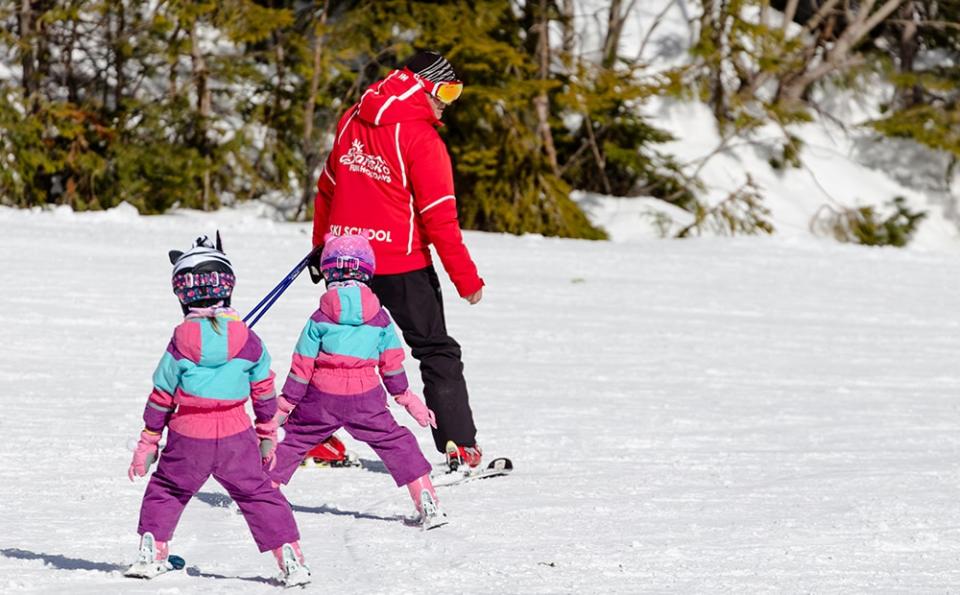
[371, 165]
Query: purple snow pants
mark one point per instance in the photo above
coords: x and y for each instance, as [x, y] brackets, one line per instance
[365, 417]
[234, 461]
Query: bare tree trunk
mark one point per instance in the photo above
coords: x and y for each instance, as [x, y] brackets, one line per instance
[308, 145]
[279, 56]
[119, 54]
[569, 41]
[200, 75]
[28, 58]
[825, 10]
[172, 86]
[789, 12]
[838, 56]
[40, 28]
[70, 78]
[200, 81]
[597, 155]
[760, 79]
[542, 101]
[861, 19]
[909, 45]
[712, 25]
[615, 21]
[35, 49]
[103, 82]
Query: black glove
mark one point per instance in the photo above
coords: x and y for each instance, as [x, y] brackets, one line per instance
[313, 267]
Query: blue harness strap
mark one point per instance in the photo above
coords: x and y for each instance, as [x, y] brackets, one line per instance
[261, 308]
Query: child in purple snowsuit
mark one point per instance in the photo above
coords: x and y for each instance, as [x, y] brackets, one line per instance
[211, 366]
[333, 381]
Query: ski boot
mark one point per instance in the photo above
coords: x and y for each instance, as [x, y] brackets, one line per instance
[154, 559]
[330, 453]
[425, 499]
[457, 456]
[293, 571]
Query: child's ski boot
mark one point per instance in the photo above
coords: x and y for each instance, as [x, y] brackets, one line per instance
[153, 559]
[425, 499]
[330, 453]
[458, 456]
[293, 571]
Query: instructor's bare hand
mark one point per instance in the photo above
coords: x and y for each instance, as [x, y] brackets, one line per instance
[474, 297]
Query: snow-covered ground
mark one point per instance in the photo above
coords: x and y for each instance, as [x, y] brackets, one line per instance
[747, 415]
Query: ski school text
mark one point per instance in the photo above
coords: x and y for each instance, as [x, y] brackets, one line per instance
[379, 235]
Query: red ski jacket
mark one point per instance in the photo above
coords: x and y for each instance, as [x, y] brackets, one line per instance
[389, 177]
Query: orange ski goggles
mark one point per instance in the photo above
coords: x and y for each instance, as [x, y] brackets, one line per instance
[447, 92]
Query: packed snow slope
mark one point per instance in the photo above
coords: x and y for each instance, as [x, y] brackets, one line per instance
[749, 415]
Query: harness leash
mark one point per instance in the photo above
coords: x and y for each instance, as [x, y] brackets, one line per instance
[261, 308]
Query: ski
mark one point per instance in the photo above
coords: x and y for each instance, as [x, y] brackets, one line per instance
[350, 459]
[431, 516]
[147, 566]
[149, 570]
[499, 467]
[295, 573]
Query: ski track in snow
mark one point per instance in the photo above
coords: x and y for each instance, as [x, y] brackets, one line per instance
[747, 415]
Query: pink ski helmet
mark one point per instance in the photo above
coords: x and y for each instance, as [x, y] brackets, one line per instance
[347, 257]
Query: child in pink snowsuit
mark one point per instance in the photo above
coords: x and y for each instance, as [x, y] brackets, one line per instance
[333, 381]
[212, 365]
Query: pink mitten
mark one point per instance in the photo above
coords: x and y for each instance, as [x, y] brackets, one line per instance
[267, 433]
[416, 408]
[284, 407]
[144, 455]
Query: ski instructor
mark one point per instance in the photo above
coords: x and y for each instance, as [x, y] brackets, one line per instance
[389, 177]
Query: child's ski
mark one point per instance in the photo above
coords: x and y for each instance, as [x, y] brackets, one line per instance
[295, 573]
[147, 566]
[431, 516]
[349, 459]
[498, 467]
[149, 570]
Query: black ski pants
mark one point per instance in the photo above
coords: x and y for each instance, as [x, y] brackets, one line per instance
[416, 305]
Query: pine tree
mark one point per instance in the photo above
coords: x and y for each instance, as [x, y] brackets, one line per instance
[504, 174]
[196, 103]
[504, 179]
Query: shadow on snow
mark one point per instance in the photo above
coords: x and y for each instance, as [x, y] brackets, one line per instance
[374, 465]
[215, 499]
[218, 500]
[65, 563]
[196, 572]
[62, 562]
[351, 513]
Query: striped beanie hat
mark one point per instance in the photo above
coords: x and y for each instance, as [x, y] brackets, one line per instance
[432, 67]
